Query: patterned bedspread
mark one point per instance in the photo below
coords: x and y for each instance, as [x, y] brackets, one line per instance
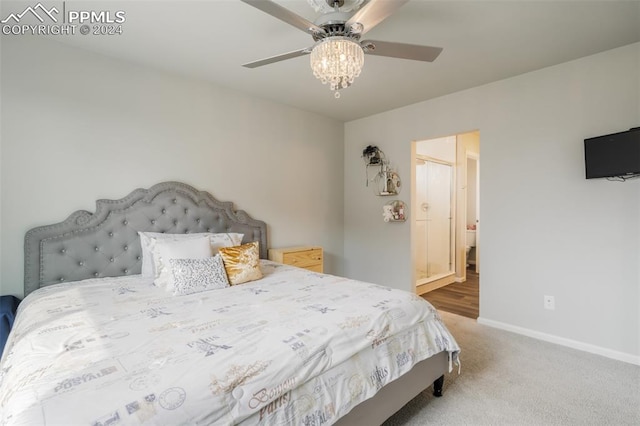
[295, 347]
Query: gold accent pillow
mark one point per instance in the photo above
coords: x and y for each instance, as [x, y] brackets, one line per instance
[242, 263]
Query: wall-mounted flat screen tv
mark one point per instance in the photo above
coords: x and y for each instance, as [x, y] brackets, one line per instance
[615, 155]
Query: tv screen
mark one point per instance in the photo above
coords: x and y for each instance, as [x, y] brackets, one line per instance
[615, 155]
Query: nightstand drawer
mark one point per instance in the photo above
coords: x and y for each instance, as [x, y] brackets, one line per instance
[315, 268]
[310, 258]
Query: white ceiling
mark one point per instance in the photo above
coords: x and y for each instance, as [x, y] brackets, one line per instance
[483, 41]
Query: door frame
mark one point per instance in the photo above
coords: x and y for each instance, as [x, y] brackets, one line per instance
[476, 157]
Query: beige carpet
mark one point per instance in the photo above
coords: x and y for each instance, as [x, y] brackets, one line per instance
[509, 379]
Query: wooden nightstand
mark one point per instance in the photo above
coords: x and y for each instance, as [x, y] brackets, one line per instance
[307, 257]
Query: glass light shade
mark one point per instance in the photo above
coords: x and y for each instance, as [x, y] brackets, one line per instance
[324, 7]
[337, 61]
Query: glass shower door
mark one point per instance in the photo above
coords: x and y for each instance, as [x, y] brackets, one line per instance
[433, 220]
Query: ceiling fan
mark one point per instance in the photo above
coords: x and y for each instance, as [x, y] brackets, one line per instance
[338, 53]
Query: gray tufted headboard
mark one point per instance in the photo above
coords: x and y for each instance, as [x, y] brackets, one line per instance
[106, 243]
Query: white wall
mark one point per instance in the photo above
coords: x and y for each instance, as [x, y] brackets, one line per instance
[546, 230]
[77, 127]
[439, 148]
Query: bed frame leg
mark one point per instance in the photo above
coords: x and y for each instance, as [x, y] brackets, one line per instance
[437, 386]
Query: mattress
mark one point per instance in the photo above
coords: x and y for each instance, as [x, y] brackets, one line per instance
[295, 347]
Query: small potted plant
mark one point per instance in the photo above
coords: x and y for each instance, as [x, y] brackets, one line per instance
[372, 155]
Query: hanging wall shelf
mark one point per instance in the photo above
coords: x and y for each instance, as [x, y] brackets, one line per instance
[385, 181]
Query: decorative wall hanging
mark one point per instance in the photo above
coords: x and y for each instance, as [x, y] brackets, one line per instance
[385, 181]
[394, 211]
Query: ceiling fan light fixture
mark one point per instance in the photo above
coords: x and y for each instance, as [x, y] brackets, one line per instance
[337, 61]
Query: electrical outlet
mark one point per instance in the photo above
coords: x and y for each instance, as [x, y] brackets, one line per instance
[549, 302]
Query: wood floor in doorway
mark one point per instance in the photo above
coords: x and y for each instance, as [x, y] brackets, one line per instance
[458, 298]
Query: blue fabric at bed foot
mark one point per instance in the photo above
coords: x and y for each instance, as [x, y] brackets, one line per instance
[8, 306]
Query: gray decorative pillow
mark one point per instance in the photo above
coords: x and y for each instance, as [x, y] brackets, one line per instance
[196, 275]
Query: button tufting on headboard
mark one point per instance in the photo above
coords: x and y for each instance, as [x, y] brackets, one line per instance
[106, 243]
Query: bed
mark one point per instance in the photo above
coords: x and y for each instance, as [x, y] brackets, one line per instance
[95, 342]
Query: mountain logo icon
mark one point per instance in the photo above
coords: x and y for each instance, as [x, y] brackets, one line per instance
[38, 11]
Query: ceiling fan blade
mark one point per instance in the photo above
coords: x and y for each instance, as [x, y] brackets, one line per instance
[277, 58]
[285, 15]
[401, 50]
[372, 13]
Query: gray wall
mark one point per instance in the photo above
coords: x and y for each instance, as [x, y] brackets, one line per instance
[545, 229]
[77, 127]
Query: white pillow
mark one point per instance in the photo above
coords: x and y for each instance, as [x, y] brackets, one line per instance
[148, 240]
[224, 240]
[196, 275]
[165, 250]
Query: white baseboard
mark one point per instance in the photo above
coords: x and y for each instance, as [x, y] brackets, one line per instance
[586, 347]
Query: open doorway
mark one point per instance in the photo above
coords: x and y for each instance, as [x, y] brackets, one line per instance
[445, 231]
[434, 218]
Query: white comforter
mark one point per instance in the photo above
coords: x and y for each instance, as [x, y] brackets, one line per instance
[295, 347]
